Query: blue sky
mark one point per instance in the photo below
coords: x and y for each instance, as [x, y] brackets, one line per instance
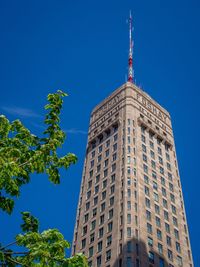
[81, 47]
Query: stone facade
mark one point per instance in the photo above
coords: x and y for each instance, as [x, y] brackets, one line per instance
[131, 210]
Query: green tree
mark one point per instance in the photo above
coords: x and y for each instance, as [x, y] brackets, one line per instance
[22, 154]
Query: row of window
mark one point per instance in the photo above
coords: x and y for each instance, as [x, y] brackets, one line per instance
[107, 145]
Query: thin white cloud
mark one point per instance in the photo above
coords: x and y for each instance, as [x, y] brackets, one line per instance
[22, 112]
[75, 131]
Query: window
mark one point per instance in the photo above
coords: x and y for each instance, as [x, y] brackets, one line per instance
[161, 262]
[178, 247]
[115, 147]
[113, 168]
[91, 173]
[153, 164]
[115, 137]
[146, 179]
[143, 138]
[169, 176]
[129, 262]
[170, 255]
[146, 190]
[158, 223]
[168, 240]
[160, 160]
[149, 228]
[171, 187]
[151, 257]
[99, 158]
[107, 143]
[99, 246]
[114, 156]
[86, 217]
[109, 240]
[87, 206]
[176, 233]
[144, 158]
[110, 214]
[88, 195]
[160, 248]
[145, 168]
[129, 192]
[148, 203]
[99, 261]
[166, 215]
[128, 231]
[90, 252]
[112, 201]
[89, 184]
[144, 148]
[159, 151]
[167, 228]
[157, 209]
[110, 225]
[165, 203]
[152, 154]
[93, 154]
[167, 156]
[91, 163]
[168, 166]
[148, 215]
[164, 193]
[161, 170]
[92, 238]
[173, 209]
[98, 168]
[95, 200]
[175, 222]
[156, 198]
[150, 241]
[101, 232]
[96, 189]
[104, 184]
[155, 185]
[112, 178]
[154, 175]
[107, 152]
[83, 243]
[97, 178]
[103, 195]
[94, 212]
[100, 149]
[101, 219]
[162, 180]
[84, 229]
[128, 205]
[103, 206]
[93, 224]
[108, 255]
[106, 163]
[172, 198]
[159, 234]
[179, 261]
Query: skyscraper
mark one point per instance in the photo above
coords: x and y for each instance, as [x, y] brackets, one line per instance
[131, 210]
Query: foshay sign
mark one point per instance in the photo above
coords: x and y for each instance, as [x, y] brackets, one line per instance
[148, 105]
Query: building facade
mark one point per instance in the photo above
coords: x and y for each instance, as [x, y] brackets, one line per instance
[131, 210]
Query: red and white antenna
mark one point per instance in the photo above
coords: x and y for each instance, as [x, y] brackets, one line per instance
[130, 58]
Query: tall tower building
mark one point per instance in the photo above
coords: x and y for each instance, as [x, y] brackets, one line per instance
[131, 210]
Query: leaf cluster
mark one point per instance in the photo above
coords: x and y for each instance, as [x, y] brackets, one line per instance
[22, 153]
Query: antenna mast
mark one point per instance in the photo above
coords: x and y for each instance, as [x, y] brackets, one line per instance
[130, 58]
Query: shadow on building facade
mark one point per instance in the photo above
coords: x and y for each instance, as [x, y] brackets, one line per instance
[136, 253]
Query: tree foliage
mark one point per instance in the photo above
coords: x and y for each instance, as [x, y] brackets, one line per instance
[22, 154]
